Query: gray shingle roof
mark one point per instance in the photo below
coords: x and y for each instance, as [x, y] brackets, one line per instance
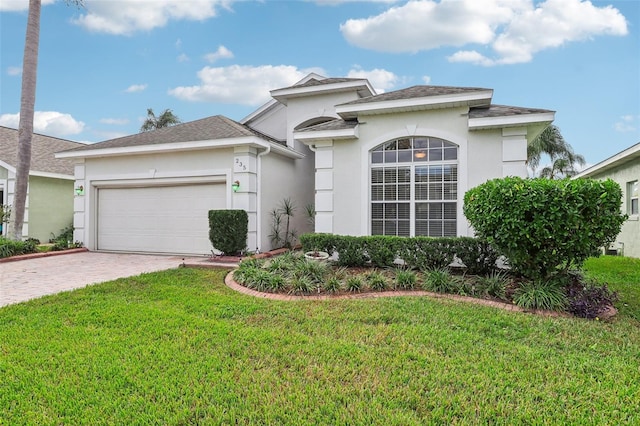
[337, 124]
[416, 92]
[502, 111]
[320, 82]
[210, 128]
[43, 149]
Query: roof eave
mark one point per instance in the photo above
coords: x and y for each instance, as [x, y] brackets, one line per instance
[313, 136]
[622, 157]
[283, 95]
[38, 173]
[474, 99]
[180, 146]
[511, 120]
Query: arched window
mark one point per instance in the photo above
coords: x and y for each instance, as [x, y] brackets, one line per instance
[414, 187]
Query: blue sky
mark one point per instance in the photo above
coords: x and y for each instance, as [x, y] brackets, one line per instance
[101, 67]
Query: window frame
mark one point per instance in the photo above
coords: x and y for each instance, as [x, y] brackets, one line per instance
[429, 157]
[632, 198]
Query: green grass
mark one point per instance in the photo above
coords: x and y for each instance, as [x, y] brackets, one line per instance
[621, 274]
[178, 347]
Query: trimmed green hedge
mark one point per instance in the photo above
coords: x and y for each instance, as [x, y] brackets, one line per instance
[228, 230]
[545, 226]
[420, 252]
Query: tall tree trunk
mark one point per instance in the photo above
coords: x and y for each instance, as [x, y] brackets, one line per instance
[25, 128]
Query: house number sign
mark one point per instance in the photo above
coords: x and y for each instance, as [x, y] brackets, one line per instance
[240, 166]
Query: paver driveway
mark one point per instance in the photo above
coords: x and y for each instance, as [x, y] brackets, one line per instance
[29, 279]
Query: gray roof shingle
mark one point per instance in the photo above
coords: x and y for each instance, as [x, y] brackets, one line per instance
[416, 92]
[43, 149]
[210, 128]
[502, 111]
[337, 124]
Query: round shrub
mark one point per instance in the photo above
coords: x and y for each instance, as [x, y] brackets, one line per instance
[543, 225]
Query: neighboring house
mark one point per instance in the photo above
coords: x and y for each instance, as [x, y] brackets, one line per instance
[49, 206]
[624, 168]
[397, 163]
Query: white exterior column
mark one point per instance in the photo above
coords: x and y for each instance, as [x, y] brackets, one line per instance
[245, 171]
[324, 187]
[11, 193]
[79, 207]
[514, 152]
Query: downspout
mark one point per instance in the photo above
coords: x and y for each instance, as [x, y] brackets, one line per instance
[267, 150]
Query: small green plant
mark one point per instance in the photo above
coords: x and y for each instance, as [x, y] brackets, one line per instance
[438, 280]
[494, 284]
[354, 284]
[376, 281]
[282, 235]
[538, 294]
[315, 271]
[301, 284]
[332, 285]
[406, 279]
[276, 283]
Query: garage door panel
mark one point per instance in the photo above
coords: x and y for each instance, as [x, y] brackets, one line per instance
[171, 219]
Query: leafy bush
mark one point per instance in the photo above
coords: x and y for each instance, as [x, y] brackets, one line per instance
[417, 253]
[544, 225]
[405, 279]
[537, 294]
[10, 248]
[354, 283]
[376, 281]
[301, 284]
[314, 271]
[439, 280]
[228, 230]
[495, 284]
[332, 285]
[589, 300]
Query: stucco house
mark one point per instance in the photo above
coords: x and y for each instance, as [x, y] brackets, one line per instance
[623, 168]
[50, 192]
[395, 163]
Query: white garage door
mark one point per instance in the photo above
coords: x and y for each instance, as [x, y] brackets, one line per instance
[165, 219]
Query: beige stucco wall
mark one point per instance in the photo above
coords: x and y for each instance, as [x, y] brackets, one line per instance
[482, 155]
[630, 233]
[285, 178]
[50, 206]
[169, 167]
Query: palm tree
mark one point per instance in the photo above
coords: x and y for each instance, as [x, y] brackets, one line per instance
[166, 119]
[27, 107]
[564, 161]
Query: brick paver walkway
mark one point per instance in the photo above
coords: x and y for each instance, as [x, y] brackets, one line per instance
[33, 278]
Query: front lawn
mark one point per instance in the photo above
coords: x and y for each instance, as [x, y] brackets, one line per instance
[178, 347]
[621, 274]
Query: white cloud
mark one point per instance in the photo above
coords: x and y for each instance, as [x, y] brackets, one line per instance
[18, 5]
[513, 29]
[237, 84]
[51, 123]
[221, 53]
[472, 56]
[135, 88]
[13, 71]
[126, 17]
[183, 57]
[114, 121]
[381, 80]
[627, 123]
[426, 79]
